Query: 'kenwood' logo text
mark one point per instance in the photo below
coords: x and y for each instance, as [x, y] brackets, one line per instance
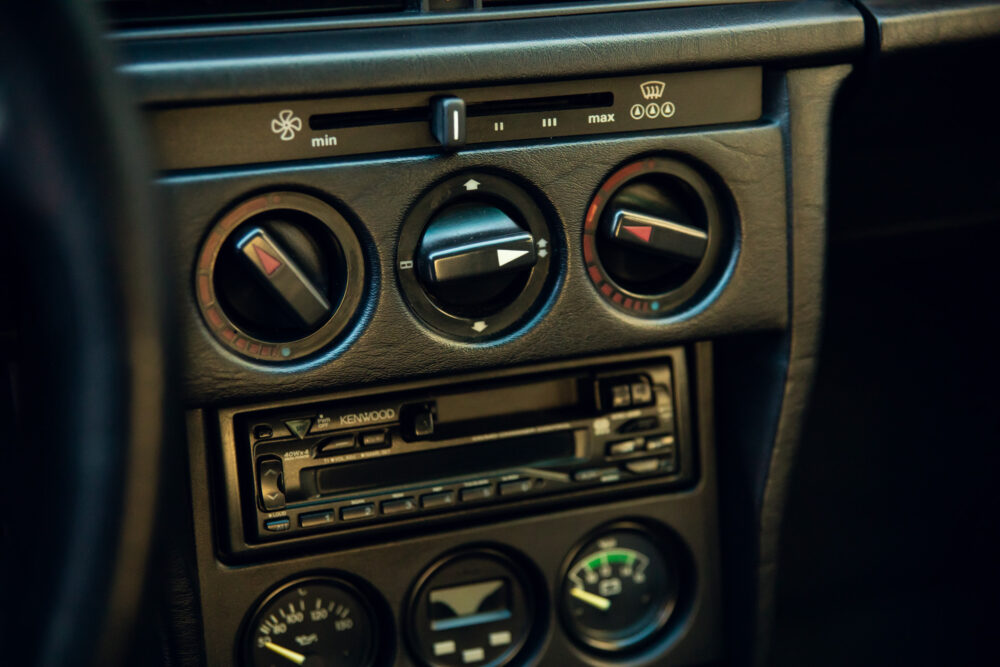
[368, 417]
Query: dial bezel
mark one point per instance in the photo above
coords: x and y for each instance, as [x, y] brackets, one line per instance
[235, 338]
[503, 193]
[669, 551]
[719, 228]
[363, 598]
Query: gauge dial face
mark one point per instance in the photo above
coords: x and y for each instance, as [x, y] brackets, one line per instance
[620, 590]
[315, 623]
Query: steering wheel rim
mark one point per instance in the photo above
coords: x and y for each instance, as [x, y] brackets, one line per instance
[92, 370]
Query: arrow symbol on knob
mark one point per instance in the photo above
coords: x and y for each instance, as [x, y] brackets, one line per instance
[267, 262]
[472, 184]
[508, 256]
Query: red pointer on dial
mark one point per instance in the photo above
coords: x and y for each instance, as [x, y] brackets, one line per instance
[642, 232]
[271, 264]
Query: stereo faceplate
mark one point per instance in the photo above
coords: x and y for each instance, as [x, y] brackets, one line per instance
[417, 453]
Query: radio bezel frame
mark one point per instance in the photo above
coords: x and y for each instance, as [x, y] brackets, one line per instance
[234, 503]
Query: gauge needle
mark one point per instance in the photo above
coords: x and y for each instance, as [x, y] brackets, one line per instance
[297, 658]
[590, 598]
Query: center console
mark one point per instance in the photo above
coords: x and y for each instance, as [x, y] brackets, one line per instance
[495, 328]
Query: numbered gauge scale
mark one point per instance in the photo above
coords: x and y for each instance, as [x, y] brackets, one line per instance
[319, 622]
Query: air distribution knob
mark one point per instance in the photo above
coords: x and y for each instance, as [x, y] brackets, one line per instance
[474, 256]
[280, 276]
[653, 237]
[474, 259]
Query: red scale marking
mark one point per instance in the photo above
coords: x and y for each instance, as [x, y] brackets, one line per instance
[211, 245]
[229, 335]
[637, 306]
[617, 298]
[244, 211]
[588, 249]
[204, 290]
[254, 348]
[265, 351]
[591, 221]
[269, 263]
[628, 303]
[214, 318]
[641, 232]
[241, 343]
[595, 274]
[624, 173]
[606, 289]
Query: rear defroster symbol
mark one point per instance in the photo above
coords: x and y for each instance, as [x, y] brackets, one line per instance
[286, 124]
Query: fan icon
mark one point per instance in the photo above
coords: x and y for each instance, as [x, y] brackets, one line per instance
[286, 124]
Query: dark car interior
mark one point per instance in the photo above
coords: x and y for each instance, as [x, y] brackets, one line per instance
[436, 333]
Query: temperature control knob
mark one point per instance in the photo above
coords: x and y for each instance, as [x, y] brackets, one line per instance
[279, 276]
[658, 235]
[474, 256]
[654, 237]
[304, 299]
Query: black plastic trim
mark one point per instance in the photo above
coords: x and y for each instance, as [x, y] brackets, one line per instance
[903, 25]
[380, 59]
[540, 9]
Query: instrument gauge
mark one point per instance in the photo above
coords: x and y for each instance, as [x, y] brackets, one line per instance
[316, 622]
[620, 589]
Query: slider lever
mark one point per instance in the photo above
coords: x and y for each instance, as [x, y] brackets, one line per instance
[448, 121]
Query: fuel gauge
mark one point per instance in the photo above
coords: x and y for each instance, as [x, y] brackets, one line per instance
[620, 589]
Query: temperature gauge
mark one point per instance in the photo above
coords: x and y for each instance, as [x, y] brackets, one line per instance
[317, 622]
[620, 589]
